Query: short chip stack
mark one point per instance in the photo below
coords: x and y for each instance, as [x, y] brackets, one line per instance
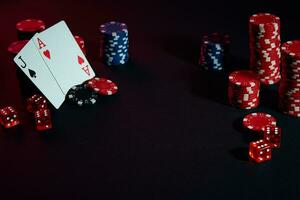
[114, 43]
[289, 89]
[264, 43]
[213, 51]
[243, 89]
[27, 28]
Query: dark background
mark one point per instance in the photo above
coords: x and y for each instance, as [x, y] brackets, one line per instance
[169, 133]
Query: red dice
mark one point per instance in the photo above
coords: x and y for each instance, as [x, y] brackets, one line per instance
[9, 117]
[36, 102]
[272, 134]
[260, 151]
[43, 119]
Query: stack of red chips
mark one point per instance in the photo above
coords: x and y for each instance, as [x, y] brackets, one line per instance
[27, 28]
[289, 89]
[264, 43]
[243, 89]
[81, 44]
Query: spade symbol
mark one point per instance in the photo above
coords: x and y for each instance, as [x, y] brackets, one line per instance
[32, 73]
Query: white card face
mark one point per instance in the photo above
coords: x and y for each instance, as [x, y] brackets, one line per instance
[63, 56]
[31, 63]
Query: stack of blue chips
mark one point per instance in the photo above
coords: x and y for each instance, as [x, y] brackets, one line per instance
[114, 43]
[213, 52]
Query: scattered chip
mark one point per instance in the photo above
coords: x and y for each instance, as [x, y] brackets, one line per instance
[102, 86]
[81, 95]
[258, 121]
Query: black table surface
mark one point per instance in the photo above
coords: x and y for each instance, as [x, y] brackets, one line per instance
[169, 132]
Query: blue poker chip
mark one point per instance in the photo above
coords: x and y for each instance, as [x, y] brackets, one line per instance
[114, 43]
[116, 60]
[214, 48]
[114, 29]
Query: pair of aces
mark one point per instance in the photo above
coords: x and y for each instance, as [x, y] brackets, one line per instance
[54, 62]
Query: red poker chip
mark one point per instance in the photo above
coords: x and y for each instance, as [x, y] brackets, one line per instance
[289, 89]
[292, 48]
[267, 42]
[17, 46]
[271, 81]
[79, 40]
[291, 113]
[257, 121]
[80, 43]
[244, 78]
[30, 25]
[102, 86]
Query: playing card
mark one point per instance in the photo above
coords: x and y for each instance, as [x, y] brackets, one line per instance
[32, 64]
[64, 58]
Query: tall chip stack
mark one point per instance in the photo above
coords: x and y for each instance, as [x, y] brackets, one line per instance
[25, 30]
[264, 43]
[289, 88]
[81, 43]
[214, 51]
[27, 88]
[114, 43]
[28, 27]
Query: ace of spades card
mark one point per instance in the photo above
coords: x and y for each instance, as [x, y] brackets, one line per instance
[54, 62]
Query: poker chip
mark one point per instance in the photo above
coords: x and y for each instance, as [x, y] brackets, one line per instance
[258, 121]
[264, 44]
[27, 28]
[243, 89]
[102, 86]
[114, 44]
[16, 47]
[81, 95]
[80, 43]
[214, 50]
[289, 88]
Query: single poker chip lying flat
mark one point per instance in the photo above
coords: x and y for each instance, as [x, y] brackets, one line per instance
[81, 95]
[16, 47]
[258, 121]
[102, 86]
